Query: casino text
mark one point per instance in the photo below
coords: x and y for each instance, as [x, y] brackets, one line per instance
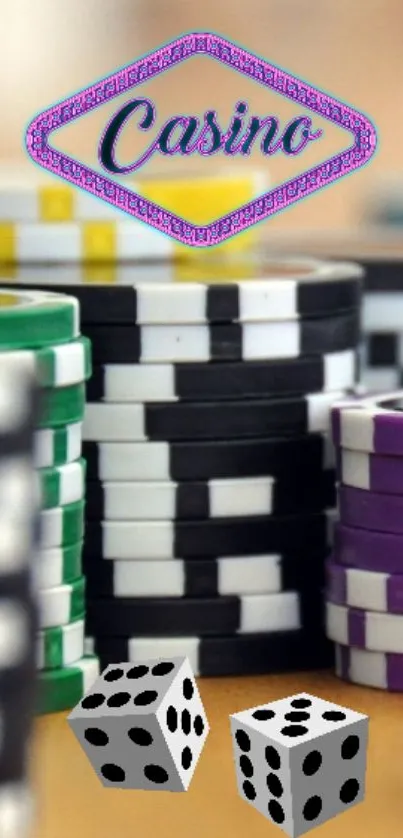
[186, 135]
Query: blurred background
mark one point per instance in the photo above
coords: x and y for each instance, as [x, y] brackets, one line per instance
[351, 50]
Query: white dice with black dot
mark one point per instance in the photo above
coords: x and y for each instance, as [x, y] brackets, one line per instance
[143, 726]
[300, 761]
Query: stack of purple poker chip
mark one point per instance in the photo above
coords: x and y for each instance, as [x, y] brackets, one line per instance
[364, 585]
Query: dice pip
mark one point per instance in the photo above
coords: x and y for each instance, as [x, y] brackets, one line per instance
[143, 726]
[301, 760]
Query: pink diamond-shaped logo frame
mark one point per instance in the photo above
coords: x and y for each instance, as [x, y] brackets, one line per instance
[240, 60]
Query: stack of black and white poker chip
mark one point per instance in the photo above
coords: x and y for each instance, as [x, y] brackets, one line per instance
[382, 363]
[19, 529]
[382, 367]
[379, 250]
[205, 439]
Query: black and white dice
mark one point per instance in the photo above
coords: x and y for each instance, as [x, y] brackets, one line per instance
[143, 726]
[300, 761]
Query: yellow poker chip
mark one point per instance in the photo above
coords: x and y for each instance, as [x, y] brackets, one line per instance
[49, 221]
[33, 319]
[202, 201]
[86, 241]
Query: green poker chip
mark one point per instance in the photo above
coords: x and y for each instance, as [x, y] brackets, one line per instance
[60, 646]
[58, 566]
[62, 525]
[34, 319]
[61, 365]
[61, 689]
[62, 484]
[61, 605]
[58, 446]
[62, 406]
[65, 364]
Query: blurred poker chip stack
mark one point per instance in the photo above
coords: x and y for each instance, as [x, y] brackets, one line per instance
[364, 589]
[47, 221]
[383, 203]
[19, 524]
[382, 367]
[205, 435]
[42, 329]
[382, 324]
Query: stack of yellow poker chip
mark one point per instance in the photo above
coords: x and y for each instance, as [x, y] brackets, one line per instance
[54, 222]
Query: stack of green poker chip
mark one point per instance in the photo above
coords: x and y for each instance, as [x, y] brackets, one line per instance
[44, 328]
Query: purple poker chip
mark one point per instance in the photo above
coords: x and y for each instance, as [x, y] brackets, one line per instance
[367, 589]
[368, 549]
[369, 669]
[371, 472]
[364, 629]
[371, 510]
[373, 424]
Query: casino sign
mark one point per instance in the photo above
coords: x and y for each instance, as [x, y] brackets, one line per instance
[210, 139]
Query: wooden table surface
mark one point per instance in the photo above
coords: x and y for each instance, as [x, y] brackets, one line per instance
[72, 801]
